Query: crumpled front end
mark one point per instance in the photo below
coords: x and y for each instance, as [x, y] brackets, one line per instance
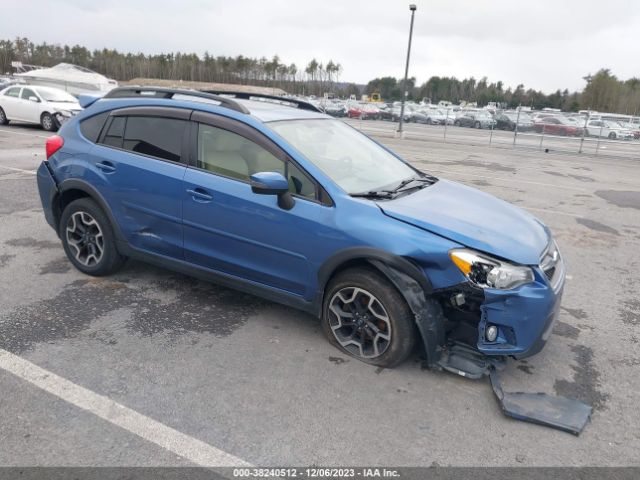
[507, 322]
[524, 317]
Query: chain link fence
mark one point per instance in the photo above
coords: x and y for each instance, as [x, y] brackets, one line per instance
[584, 134]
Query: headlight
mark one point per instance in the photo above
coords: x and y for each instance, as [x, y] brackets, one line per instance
[62, 116]
[487, 272]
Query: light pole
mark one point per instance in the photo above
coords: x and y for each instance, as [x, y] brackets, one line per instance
[413, 8]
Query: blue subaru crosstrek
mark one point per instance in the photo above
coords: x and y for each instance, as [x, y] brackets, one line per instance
[274, 198]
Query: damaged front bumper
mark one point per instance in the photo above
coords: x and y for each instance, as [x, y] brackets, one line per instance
[525, 316]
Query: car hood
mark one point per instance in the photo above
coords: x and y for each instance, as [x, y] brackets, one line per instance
[474, 219]
[65, 106]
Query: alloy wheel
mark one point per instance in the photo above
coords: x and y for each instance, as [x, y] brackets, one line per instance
[359, 322]
[47, 122]
[85, 238]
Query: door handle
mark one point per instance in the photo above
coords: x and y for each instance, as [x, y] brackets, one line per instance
[200, 195]
[106, 167]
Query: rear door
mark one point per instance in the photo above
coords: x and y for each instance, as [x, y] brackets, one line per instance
[140, 161]
[10, 102]
[229, 228]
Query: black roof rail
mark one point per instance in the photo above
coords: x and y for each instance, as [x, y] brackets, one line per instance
[163, 92]
[287, 101]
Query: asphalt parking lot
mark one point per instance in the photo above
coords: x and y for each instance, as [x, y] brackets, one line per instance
[149, 367]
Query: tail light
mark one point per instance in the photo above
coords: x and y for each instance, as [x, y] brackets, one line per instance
[53, 144]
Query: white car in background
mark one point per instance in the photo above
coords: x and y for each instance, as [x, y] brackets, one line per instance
[608, 129]
[45, 106]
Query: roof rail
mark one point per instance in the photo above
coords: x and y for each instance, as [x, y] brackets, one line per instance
[163, 92]
[291, 102]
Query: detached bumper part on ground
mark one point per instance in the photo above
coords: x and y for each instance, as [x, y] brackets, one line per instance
[476, 362]
[562, 413]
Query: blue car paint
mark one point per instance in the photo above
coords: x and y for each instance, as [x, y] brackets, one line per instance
[475, 219]
[247, 236]
[527, 312]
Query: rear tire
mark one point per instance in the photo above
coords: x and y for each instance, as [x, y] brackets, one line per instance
[88, 239]
[478, 125]
[47, 122]
[3, 118]
[612, 135]
[375, 324]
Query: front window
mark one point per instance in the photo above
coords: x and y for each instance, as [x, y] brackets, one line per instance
[27, 93]
[352, 160]
[231, 155]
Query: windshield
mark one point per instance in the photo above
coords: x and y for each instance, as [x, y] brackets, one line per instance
[56, 96]
[351, 159]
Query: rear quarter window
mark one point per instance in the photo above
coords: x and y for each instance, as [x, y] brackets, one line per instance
[92, 126]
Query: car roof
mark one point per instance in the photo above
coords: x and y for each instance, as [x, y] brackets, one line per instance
[262, 111]
[39, 88]
[272, 112]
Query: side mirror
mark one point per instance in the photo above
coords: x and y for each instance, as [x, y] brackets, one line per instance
[34, 99]
[273, 183]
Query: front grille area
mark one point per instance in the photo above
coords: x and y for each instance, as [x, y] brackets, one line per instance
[551, 264]
[549, 272]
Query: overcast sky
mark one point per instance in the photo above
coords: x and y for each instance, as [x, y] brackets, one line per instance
[543, 44]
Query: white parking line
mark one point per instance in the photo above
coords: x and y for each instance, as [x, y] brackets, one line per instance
[32, 172]
[151, 430]
[4, 130]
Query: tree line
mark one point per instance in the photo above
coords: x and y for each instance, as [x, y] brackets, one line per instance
[603, 90]
[315, 77]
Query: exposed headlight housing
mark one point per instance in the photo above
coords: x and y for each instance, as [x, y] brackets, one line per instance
[487, 272]
[64, 115]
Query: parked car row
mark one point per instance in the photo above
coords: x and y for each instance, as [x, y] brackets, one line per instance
[543, 122]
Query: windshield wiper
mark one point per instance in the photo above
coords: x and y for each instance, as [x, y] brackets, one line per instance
[424, 181]
[383, 194]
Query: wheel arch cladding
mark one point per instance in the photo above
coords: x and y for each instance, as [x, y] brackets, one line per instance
[73, 189]
[429, 320]
[410, 281]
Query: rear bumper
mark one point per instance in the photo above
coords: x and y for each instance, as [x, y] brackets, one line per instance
[48, 189]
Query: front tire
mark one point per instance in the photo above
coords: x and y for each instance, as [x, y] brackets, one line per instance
[365, 316]
[478, 125]
[88, 238]
[3, 117]
[47, 122]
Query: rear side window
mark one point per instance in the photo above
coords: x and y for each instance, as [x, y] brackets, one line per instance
[13, 92]
[156, 137]
[92, 126]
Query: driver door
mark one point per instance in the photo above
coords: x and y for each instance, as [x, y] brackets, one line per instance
[230, 229]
